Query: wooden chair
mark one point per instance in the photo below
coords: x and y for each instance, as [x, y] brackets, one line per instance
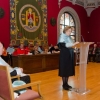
[7, 91]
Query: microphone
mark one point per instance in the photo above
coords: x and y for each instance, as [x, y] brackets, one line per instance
[82, 38]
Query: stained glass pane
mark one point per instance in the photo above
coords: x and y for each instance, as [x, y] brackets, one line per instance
[71, 21]
[73, 29]
[73, 37]
[73, 33]
[61, 28]
[66, 19]
[62, 19]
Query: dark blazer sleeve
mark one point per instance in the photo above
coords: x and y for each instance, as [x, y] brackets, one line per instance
[13, 73]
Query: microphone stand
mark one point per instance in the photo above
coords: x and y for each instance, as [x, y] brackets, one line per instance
[82, 38]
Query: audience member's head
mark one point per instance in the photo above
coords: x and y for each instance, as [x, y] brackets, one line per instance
[37, 44]
[35, 48]
[46, 50]
[10, 45]
[51, 45]
[56, 47]
[21, 46]
[28, 45]
[95, 45]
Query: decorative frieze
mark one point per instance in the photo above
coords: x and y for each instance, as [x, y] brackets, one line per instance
[84, 3]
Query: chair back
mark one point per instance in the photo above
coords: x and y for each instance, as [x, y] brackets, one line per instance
[6, 92]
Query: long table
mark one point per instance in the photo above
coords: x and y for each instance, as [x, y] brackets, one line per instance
[36, 63]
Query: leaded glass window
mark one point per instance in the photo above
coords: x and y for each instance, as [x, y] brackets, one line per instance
[67, 19]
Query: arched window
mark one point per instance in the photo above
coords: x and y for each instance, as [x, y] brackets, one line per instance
[68, 20]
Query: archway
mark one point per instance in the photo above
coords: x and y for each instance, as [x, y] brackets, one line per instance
[76, 18]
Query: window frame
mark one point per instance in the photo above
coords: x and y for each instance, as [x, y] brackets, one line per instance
[70, 16]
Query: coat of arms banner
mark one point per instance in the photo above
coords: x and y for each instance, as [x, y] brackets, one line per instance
[28, 21]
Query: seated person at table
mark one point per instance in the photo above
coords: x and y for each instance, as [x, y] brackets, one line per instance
[50, 46]
[54, 49]
[93, 52]
[35, 51]
[29, 48]
[10, 51]
[21, 50]
[14, 71]
[46, 51]
[5, 54]
[39, 49]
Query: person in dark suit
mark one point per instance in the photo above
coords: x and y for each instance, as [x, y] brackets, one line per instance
[54, 49]
[66, 64]
[93, 53]
[35, 50]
